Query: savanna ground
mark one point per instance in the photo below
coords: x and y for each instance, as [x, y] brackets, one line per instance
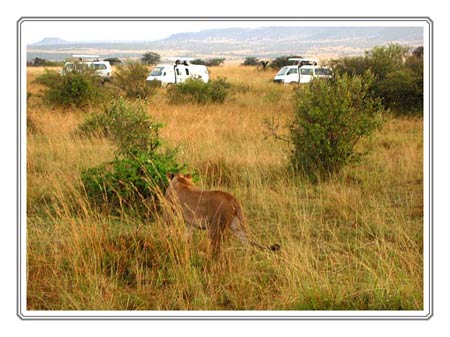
[354, 242]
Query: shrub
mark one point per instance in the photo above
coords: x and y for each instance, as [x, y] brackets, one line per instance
[330, 117]
[402, 91]
[250, 61]
[197, 91]
[219, 90]
[71, 90]
[351, 65]
[113, 61]
[214, 62]
[139, 168]
[282, 61]
[398, 75]
[39, 62]
[131, 78]
[130, 182]
[209, 62]
[49, 78]
[127, 124]
[131, 129]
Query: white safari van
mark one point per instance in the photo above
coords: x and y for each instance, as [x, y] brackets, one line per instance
[178, 71]
[85, 62]
[302, 72]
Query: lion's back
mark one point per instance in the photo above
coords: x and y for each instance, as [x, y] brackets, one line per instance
[220, 203]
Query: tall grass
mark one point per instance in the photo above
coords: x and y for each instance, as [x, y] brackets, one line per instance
[353, 242]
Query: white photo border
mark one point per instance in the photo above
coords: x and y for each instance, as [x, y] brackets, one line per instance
[424, 314]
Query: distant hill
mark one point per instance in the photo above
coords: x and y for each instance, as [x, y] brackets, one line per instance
[235, 43]
[50, 41]
[270, 41]
[303, 34]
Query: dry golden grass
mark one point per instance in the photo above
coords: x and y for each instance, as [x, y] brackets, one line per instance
[354, 242]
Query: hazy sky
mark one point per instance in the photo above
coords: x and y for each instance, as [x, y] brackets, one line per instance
[34, 31]
[132, 30]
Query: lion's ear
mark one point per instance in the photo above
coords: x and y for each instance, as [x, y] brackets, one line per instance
[188, 175]
[170, 175]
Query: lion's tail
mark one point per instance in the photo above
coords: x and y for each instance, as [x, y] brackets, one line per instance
[239, 228]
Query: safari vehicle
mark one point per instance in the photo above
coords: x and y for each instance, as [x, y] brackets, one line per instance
[81, 63]
[302, 72]
[177, 72]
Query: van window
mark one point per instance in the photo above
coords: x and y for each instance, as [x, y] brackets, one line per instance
[292, 71]
[98, 66]
[187, 71]
[81, 66]
[306, 71]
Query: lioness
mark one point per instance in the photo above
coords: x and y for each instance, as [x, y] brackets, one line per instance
[214, 211]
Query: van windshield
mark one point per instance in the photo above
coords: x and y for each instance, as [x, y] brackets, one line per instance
[157, 71]
[283, 71]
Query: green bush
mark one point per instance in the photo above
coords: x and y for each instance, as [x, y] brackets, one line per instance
[214, 62]
[250, 61]
[38, 62]
[139, 168]
[219, 90]
[131, 78]
[398, 76]
[74, 89]
[282, 61]
[351, 65]
[330, 117]
[130, 182]
[113, 61]
[197, 91]
[132, 129]
[127, 124]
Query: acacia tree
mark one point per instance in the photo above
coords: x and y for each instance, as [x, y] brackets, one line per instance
[150, 58]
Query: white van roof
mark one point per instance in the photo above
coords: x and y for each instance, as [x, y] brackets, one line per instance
[301, 59]
[85, 56]
[180, 59]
